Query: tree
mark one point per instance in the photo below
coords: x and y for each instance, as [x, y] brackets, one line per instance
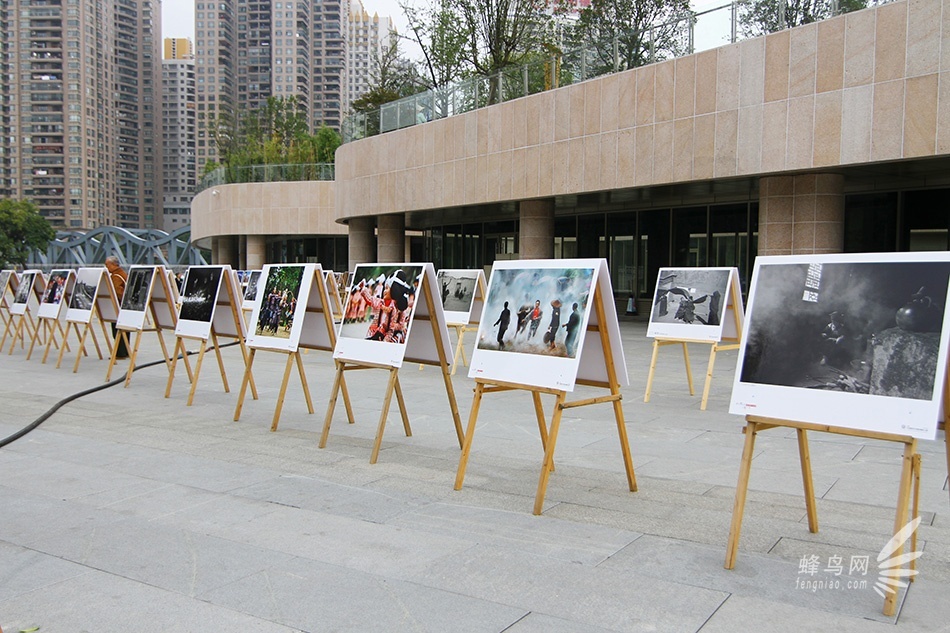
[22, 229]
[442, 37]
[759, 17]
[645, 31]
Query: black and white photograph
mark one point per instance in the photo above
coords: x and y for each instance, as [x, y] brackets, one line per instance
[22, 295]
[84, 292]
[200, 293]
[137, 288]
[535, 310]
[250, 289]
[690, 303]
[4, 280]
[457, 288]
[866, 330]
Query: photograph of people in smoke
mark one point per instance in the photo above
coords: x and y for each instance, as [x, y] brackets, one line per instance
[536, 311]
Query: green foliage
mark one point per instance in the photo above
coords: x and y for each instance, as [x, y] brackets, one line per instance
[283, 278]
[22, 229]
[644, 31]
[759, 17]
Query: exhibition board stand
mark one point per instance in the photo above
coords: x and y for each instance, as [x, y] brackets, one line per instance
[333, 289]
[93, 299]
[8, 283]
[250, 292]
[26, 300]
[291, 313]
[148, 305]
[463, 300]
[887, 372]
[695, 305]
[59, 289]
[392, 316]
[589, 354]
[210, 308]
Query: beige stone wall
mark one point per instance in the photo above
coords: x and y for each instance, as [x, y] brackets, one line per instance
[863, 87]
[274, 208]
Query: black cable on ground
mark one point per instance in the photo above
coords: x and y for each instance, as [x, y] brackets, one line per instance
[56, 407]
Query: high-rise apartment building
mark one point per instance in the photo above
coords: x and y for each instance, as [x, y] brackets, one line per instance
[369, 36]
[249, 50]
[178, 133]
[80, 106]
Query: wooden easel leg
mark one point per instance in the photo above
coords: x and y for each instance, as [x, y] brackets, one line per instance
[903, 501]
[469, 434]
[542, 423]
[656, 353]
[171, 371]
[805, 457]
[689, 370]
[548, 462]
[82, 345]
[194, 380]
[458, 350]
[114, 349]
[709, 374]
[915, 510]
[453, 405]
[249, 361]
[332, 403]
[49, 344]
[400, 401]
[346, 401]
[303, 382]
[283, 389]
[741, 488]
[244, 355]
[36, 335]
[135, 353]
[390, 387]
[217, 353]
[62, 349]
[624, 443]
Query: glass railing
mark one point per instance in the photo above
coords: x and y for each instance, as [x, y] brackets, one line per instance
[267, 173]
[691, 33]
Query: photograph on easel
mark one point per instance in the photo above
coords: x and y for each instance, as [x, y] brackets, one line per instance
[845, 337]
[4, 279]
[84, 291]
[250, 290]
[535, 310]
[199, 293]
[56, 287]
[457, 288]
[380, 302]
[137, 288]
[689, 301]
[22, 295]
[278, 301]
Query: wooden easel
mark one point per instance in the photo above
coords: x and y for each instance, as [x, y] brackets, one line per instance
[164, 317]
[907, 493]
[10, 281]
[104, 308]
[343, 365]
[726, 343]
[460, 330]
[22, 322]
[549, 436]
[311, 338]
[49, 327]
[234, 327]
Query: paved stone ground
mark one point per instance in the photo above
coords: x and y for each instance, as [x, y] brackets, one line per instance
[126, 511]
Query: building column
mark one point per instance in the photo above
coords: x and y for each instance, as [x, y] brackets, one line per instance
[361, 241]
[226, 251]
[801, 214]
[242, 252]
[256, 249]
[536, 230]
[391, 238]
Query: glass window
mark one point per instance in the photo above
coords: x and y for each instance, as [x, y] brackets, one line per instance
[870, 223]
[690, 237]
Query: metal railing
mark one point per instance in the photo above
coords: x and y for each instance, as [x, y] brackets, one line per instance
[267, 173]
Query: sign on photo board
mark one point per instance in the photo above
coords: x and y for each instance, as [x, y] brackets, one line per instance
[85, 291]
[59, 287]
[32, 283]
[280, 306]
[250, 291]
[460, 294]
[695, 304]
[381, 304]
[856, 341]
[147, 289]
[199, 299]
[538, 338]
